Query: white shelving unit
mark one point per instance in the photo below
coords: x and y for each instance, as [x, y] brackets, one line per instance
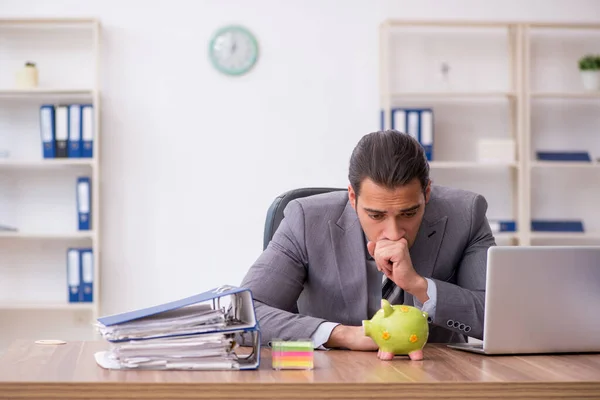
[560, 115]
[37, 195]
[499, 74]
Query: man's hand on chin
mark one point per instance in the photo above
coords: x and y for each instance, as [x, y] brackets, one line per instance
[350, 337]
[393, 259]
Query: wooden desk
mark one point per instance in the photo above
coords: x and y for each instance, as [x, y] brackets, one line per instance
[28, 370]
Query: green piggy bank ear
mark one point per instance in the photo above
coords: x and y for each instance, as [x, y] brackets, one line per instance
[387, 308]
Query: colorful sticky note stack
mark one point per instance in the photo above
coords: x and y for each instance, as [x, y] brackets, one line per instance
[293, 354]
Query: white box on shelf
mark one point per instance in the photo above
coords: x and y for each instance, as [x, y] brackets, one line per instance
[496, 151]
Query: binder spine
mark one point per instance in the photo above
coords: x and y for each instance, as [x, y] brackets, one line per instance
[84, 199]
[47, 128]
[74, 131]
[87, 275]
[62, 131]
[74, 275]
[87, 131]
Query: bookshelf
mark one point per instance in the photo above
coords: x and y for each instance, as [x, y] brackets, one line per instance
[502, 80]
[38, 195]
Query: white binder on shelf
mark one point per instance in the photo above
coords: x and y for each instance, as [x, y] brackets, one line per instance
[74, 150]
[84, 203]
[74, 275]
[426, 132]
[87, 131]
[47, 130]
[62, 131]
[87, 275]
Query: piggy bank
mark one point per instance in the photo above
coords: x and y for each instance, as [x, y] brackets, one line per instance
[398, 330]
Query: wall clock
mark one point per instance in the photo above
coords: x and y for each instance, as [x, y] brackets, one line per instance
[233, 50]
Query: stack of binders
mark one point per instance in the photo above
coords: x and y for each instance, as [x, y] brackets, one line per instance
[417, 122]
[67, 130]
[194, 333]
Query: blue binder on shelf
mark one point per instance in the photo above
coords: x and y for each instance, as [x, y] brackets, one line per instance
[498, 226]
[225, 311]
[87, 131]
[576, 156]
[74, 275]
[417, 122]
[87, 275]
[538, 225]
[84, 203]
[47, 131]
[74, 149]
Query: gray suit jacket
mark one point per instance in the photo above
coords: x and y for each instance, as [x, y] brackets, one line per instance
[314, 269]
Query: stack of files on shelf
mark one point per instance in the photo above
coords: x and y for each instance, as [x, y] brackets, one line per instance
[195, 333]
[67, 130]
[417, 122]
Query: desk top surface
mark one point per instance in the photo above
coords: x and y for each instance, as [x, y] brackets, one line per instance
[73, 364]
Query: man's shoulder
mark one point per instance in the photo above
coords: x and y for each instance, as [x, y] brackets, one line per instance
[450, 201]
[332, 202]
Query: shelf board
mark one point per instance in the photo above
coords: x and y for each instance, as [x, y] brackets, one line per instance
[506, 235]
[565, 235]
[566, 95]
[469, 165]
[450, 95]
[46, 236]
[46, 163]
[45, 21]
[45, 92]
[46, 306]
[565, 164]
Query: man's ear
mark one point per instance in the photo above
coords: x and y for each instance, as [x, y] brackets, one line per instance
[352, 197]
[428, 192]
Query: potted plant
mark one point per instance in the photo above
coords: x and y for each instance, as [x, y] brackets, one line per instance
[589, 67]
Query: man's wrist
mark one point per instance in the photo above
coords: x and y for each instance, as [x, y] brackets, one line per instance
[419, 289]
[337, 337]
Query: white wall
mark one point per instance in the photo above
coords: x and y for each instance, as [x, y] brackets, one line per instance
[192, 159]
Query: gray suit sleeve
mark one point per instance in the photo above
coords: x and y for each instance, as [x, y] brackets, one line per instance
[460, 307]
[277, 278]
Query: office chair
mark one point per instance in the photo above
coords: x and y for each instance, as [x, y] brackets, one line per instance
[275, 212]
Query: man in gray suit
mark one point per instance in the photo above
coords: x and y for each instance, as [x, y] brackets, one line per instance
[392, 235]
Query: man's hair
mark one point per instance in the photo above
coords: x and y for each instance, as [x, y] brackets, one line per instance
[390, 159]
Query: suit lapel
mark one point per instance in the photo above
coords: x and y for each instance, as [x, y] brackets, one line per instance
[425, 250]
[350, 258]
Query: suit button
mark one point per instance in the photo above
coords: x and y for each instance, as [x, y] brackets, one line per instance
[467, 328]
[456, 324]
[450, 323]
[462, 327]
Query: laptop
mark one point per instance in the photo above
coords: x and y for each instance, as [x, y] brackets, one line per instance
[540, 299]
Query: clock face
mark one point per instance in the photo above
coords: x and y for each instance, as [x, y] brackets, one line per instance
[233, 50]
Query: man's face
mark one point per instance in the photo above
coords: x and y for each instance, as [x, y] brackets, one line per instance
[390, 214]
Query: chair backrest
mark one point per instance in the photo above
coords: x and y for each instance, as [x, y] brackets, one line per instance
[275, 212]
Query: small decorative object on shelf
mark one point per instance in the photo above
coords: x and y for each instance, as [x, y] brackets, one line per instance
[27, 77]
[589, 67]
[444, 75]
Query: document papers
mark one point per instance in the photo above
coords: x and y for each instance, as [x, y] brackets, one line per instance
[196, 333]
